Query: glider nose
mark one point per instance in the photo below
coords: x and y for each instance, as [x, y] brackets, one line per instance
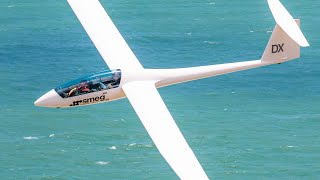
[50, 99]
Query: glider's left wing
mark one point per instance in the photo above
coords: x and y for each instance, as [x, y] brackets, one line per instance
[163, 130]
[104, 34]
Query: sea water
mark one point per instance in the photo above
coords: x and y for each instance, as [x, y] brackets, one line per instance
[258, 124]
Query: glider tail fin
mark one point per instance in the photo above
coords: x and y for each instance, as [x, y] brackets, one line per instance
[281, 47]
[286, 39]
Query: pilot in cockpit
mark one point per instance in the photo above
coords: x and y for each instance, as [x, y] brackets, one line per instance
[116, 77]
[83, 88]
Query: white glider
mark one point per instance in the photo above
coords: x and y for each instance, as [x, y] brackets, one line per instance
[129, 79]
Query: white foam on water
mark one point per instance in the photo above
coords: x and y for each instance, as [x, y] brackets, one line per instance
[51, 135]
[288, 147]
[149, 145]
[120, 120]
[113, 147]
[135, 145]
[102, 163]
[211, 42]
[30, 138]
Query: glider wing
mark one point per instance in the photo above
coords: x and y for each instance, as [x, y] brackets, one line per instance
[286, 22]
[163, 130]
[104, 34]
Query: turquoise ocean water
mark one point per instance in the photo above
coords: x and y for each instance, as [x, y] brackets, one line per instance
[257, 124]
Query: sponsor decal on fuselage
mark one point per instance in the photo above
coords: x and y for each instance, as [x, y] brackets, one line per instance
[90, 100]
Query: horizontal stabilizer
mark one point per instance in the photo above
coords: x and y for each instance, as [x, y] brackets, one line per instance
[286, 22]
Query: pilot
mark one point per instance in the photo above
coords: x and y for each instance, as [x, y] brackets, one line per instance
[72, 92]
[102, 86]
[83, 88]
[116, 77]
[110, 86]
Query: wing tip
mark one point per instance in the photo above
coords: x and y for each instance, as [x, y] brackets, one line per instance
[285, 20]
[304, 44]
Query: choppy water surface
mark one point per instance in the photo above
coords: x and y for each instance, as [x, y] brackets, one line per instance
[257, 124]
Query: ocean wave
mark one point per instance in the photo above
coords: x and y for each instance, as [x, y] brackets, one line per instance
[35, 137]
[102, 163]
[287, 147]
[30, 138]
[211, 42]
[135, 145]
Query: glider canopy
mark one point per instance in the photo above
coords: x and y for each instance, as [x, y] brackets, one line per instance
[95, 82]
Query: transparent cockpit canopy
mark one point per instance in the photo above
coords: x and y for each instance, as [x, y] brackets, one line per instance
[95, 82]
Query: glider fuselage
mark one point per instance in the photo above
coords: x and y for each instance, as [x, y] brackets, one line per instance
[106, 86]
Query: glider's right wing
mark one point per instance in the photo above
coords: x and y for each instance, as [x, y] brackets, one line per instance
[286, 22]
[104, 34]
[163, 130]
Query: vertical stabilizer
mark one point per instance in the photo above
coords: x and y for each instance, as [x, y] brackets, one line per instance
[281, 47]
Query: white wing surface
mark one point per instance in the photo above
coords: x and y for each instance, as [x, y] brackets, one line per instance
[163, 130]
[286, 22]
[104, 34]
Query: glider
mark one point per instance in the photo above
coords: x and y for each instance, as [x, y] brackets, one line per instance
[128, 78]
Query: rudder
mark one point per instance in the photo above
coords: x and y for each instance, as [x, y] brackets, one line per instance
[281, 47]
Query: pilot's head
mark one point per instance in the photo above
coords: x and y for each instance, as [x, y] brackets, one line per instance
[116, 75]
